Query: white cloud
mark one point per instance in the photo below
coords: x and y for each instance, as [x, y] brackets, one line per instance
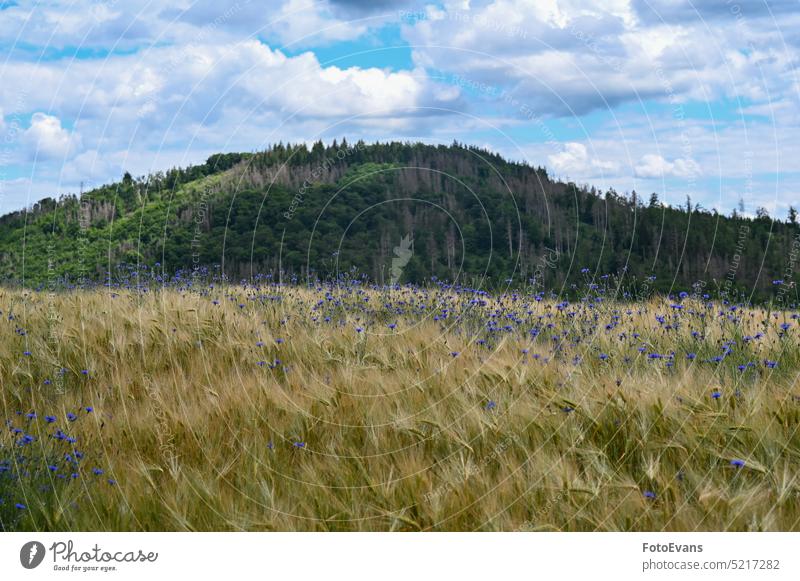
[46, 139]
[569, 58]
[574, 161]
[655, 166]
[307, 21]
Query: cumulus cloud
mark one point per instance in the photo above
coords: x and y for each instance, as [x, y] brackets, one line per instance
[46, 139]
[655, 166]
[570, 58]
[574, 161]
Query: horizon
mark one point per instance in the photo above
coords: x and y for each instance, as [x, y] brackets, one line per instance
[735, 212]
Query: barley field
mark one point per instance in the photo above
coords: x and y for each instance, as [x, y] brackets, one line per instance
[335, 407]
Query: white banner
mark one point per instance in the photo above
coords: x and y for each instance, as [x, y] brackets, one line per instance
[402, 556]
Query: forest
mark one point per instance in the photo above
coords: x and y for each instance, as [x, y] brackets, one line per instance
[342, 210]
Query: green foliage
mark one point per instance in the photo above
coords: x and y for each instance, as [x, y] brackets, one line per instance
[342, 208]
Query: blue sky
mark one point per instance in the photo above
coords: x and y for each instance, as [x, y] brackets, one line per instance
[675, 97]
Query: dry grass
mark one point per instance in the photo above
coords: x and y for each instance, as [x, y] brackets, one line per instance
[385, 429]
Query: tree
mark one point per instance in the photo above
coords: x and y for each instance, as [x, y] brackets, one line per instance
[792, 215]
[654, 200]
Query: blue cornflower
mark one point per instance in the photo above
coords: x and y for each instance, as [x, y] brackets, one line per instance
[490, 405]
[50, 419]
[299, 444]
[603, 356]
[649, 494]
[454, 354]
[71, 417]
[737, 463]
[97, 471]
[716, 394]
[89, 409]
[20, 506]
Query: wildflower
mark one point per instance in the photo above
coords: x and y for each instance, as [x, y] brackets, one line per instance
[50, 419]
[770, 364]
[603, 356]
[111, 481]
[691, 356]
[97, 471]
[490, 405]
[649, 494]
[20, 506]
[716, 394]
[26, 353]
[454, 354]
[279, 341]
[89, 409]
[299, 444]
[71, 417]
[737, 463]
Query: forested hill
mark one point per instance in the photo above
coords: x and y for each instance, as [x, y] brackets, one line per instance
[395, 212]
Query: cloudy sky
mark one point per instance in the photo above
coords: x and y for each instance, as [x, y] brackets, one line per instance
[669, 96]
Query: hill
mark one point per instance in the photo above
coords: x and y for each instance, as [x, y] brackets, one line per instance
[395, 212]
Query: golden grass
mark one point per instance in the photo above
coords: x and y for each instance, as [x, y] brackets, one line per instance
[397, 433]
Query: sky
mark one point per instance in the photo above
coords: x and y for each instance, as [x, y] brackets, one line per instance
[696, 98]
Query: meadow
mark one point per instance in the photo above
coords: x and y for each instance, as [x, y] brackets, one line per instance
[263, 406]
